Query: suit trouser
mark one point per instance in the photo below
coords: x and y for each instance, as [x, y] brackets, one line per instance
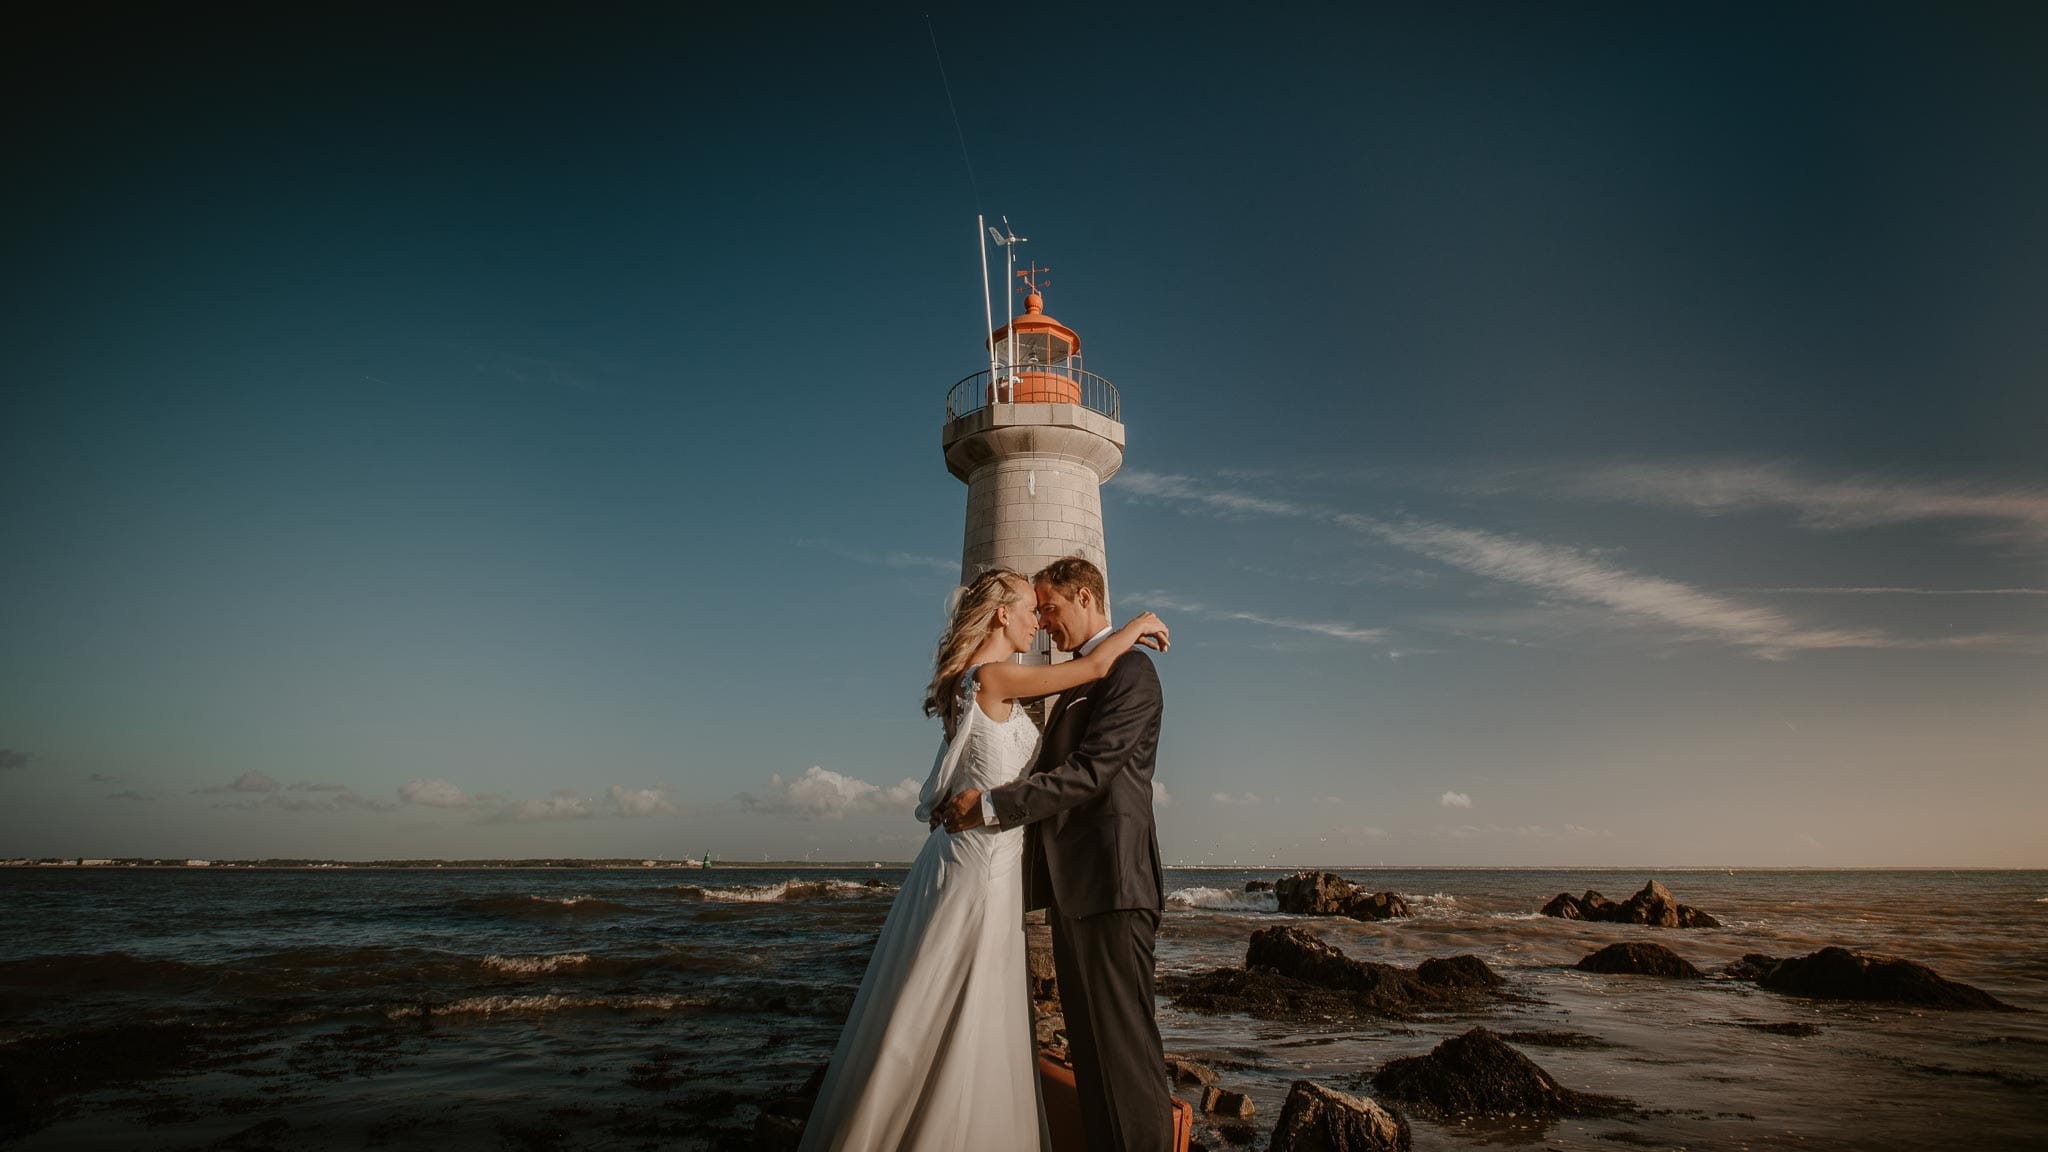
[1104, 965]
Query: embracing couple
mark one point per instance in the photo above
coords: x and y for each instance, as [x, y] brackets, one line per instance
[938, 1052]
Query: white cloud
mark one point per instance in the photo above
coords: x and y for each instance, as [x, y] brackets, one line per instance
[1160, 797]
[639, 802]
[1227, 799]
[1455, 800]
[1582, 830]
[436, 793]
[825, 794]
[561, 804]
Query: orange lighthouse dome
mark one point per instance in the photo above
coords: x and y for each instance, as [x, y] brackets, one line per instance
[1038, 359]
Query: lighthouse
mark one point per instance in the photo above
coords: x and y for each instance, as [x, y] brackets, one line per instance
[1033, 437]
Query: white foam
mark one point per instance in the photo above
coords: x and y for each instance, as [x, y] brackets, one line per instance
[1223, 900]
[787, 890]
[536, 965]
[506, 1005]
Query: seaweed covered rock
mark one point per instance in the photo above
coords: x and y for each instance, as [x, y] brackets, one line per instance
[1328, 894]
[1293, 974]
[1478, 1074]
[1319, 1119]
[1839, 974]
[1654, 905]
[1633, 959]
[1462, 971]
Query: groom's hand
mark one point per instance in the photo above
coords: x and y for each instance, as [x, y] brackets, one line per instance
[963, 811]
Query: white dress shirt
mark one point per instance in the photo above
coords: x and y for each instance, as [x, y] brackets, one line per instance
[988, 803]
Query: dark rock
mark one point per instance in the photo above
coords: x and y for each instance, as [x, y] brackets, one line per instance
[1328, 894]
[1045, 987]
[1464, 971]
[1750, 967]
[1292, 974]
[1654, 905]
[1184, 1071]
[780, 1125]
[1223, 1102]
[1839, 974]
[1639, 960]
[1781, 1027]
[1542, 1039]
[1318, 1119]
[1258, 885]
[41, 1076]
[1477, 1074]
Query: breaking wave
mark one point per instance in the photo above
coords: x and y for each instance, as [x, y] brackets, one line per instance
[787, 890]
[529, 1005]
[536, 965]
[1223, 900]
[541, 907]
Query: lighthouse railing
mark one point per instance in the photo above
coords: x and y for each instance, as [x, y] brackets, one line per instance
[1033, 384]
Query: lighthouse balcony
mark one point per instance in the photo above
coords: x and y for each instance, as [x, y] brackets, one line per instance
[1033, 384]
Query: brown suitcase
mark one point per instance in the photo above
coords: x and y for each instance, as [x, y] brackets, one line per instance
[1063, 1109]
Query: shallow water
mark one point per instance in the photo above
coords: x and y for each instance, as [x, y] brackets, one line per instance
[642, 1008]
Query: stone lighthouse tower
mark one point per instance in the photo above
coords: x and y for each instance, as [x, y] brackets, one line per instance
[1033, 438]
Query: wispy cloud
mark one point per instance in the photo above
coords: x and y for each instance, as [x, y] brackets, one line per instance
[561, 804]
[1573, 574]
[821, 793]
[10, 759]
[324, 800]
[103, 778]
[1230, 801]
[912, 561]
[1894, 591]
[1455, 800]
[246, 782]
[1157, 600]
[2015, 513]
[129, 794]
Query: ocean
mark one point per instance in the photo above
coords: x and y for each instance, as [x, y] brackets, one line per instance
[658, 1008]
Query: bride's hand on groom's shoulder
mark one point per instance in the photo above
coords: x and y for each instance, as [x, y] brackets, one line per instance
[1153, 633]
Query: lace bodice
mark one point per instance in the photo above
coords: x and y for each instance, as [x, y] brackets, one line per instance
[996, 753]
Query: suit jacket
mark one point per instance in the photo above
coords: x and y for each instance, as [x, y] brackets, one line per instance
[1092, 846]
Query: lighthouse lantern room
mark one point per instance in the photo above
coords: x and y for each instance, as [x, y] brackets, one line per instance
[1034, 436]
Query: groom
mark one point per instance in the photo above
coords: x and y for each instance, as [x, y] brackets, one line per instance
[1092, 857]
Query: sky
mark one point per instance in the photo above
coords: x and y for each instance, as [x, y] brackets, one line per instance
[1557, 435]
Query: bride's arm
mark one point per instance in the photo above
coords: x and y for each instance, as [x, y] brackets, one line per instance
[1007, 681]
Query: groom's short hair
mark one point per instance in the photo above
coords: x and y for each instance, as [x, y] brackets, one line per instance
[1069, 573]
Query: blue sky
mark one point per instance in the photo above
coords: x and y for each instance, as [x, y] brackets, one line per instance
[1590, 436]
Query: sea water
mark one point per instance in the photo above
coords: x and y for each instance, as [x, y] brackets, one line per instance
[643, 1008]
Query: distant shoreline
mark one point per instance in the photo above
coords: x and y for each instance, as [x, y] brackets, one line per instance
[571, 864]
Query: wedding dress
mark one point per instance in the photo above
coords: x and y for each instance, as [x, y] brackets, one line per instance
[938, 1054]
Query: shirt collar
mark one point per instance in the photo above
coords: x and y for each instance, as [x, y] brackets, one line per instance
[1095, 640]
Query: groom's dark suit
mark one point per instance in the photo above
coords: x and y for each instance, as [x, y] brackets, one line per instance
[1092, 857]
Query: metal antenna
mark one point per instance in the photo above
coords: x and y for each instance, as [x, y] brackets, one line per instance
[1009, 239]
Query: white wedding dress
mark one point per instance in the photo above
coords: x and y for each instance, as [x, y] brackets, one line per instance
[938, 1054]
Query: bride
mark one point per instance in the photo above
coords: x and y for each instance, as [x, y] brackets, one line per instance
[937, 1053]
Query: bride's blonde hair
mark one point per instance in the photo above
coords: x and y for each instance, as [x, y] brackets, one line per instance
[974, 615]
